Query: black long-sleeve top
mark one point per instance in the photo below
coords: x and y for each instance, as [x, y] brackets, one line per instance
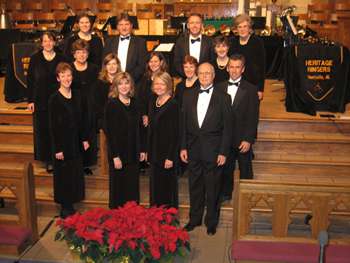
[254, 53]
[95, 48]
[41, 79]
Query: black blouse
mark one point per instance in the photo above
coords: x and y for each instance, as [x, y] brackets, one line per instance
[95, 48]
[221, 74]
[124, 130]
[181, 87]
[41, 79]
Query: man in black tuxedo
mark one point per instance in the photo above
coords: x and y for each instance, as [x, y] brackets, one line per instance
[131, 50]
[193, 43]
[244, 117]
[206, 138]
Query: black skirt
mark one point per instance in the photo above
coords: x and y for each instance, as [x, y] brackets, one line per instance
[68, 181]
[124, 185]
[163, 186]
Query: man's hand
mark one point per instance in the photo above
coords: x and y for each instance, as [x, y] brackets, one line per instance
[184, 156]
[221, 160]
[244, 147]
[260, 95]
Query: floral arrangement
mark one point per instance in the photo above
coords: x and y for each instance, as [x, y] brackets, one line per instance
[131, 233]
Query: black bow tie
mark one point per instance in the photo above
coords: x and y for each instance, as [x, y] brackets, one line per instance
[195, 40]
[205, 90]
[124, 38]
[233, 83]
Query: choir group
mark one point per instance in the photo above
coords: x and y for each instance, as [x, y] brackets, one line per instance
[201, 126]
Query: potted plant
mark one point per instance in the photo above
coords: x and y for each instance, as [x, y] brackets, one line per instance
[131, 233]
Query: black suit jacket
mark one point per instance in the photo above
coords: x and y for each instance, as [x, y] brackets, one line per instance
[244, 112]
[205, 143]
[182, 49]
[136, 58]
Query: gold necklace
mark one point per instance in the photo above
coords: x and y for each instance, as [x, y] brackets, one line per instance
[220, 66]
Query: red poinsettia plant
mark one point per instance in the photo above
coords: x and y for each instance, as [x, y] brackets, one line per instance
[134, 232]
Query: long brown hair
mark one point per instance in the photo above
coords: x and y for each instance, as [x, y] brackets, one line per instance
[103, 73]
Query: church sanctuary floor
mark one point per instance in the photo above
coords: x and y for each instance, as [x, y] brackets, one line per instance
[291, 146]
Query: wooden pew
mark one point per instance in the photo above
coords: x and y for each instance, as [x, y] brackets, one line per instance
[281, 200]
[20, 181]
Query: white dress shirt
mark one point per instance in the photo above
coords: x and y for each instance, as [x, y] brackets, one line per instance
[232, 89]
[203, 104]
[195, 48]
[123, 48]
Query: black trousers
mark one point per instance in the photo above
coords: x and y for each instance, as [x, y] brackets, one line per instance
[204, 188]
[245, 169]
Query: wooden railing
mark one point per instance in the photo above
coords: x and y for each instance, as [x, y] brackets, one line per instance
[281, 200]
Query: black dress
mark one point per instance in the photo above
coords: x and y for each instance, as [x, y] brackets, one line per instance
[254, 53]
[123, 127]
[180, 89]
[144, 93]
[83, 80]
[221, 74]
[42, 83]
[163, 143]
[95, 48]
[67, 134]
[100, 91]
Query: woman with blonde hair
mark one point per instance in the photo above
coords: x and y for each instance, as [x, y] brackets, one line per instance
[125, 140]
[252, 48]
[163, 142]
[102, 87]
[156, 63]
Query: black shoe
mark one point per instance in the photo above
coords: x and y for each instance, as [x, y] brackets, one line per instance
[87, 171]
[49, 168]
[211, 230]
[226, 198]
[189, 226]
[64, 213]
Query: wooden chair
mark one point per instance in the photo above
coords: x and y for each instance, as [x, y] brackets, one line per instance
[20, 181]
[104, 7]
[318, 18]
[60, 16]
[45, 21]
[82, 6]
[58, 6]
[322, 7]
[143, 7]
[34, 6]
[342, 10]
[124, 7]
[13, 6]
[23, 20]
